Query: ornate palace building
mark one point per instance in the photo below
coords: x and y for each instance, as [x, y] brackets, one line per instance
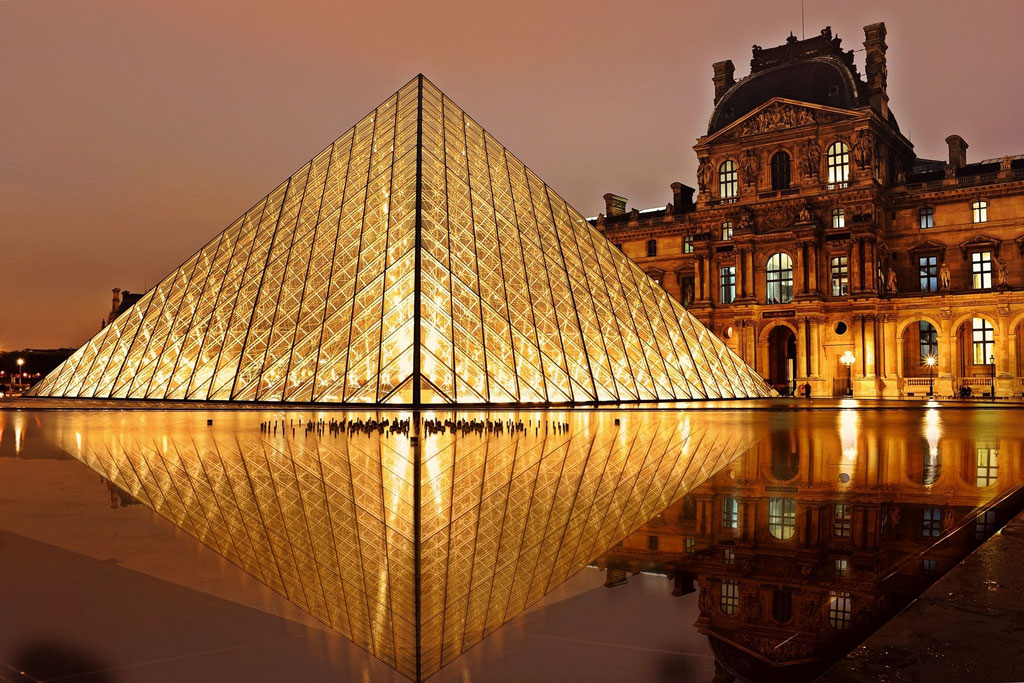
[817, 231]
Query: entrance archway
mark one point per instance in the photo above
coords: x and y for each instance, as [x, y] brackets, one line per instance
[974, 368]
[920, 351]
[782, 360]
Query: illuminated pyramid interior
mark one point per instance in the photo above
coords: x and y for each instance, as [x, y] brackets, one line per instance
[413, 261]
[331, 520]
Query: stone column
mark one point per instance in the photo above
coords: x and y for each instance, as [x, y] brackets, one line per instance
[813, 266]
[798, 270]
[740, 280]
[856, 283]
[1004, 379]
[815, 347]
[698, 279]
[891, 368]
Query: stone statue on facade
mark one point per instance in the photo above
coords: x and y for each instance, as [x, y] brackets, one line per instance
[1001, 274]
[863, 149]
[810, 158]
[747, 220]
[803, 213]
[944, 275]
[749, 165]
[890, 281]
[704, 174]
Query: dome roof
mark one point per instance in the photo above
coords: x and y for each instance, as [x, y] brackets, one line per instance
[819, 80]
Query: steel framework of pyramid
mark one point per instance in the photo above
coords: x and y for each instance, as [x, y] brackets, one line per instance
[413, 261]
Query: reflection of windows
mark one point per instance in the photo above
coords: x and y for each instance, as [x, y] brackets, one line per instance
[780, 171]
[728, 281]
[729, 556]
[981, 269]
[927, 217]
[988, 466]
[838, 218]
[780, 279]
[842, 520]
[781, 517]
[730, 513]
[730, 596]
[928, 273]
[839, 611]
[688, 244]
[985, 525]
[979, 212]
[840, 567]
[928, 340]
[982, 341]
[652, 247]
[838, 159]
[690, 545]
[727, 230]
[782, 606]
[652, 542]
[840, 276]
[929, 567]
[931, 525]
[728, 180]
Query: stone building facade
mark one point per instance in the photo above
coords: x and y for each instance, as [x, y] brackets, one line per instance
[816, 233]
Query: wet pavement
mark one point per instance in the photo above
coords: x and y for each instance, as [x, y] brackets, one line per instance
[738, 577]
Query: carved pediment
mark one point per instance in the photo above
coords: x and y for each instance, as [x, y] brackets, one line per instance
[928, 245]
[980, 242]
[779, 114]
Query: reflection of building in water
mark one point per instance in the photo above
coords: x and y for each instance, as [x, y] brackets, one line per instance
[331, 521]
[794, 566]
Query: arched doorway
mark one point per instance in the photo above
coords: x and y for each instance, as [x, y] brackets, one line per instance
[782, 360]
[975, 367]
[920, 357]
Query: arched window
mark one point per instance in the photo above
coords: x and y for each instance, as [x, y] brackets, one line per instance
[782, 518]
[780, 171]
[928, 341]
[982, 341]
[838, 159]
[780, 279]
[728, 180]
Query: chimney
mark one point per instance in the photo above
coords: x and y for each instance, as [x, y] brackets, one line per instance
[117, 300]
[682, 195]
[723, 79]
[614, 205]
[957, 151]
[875, 69]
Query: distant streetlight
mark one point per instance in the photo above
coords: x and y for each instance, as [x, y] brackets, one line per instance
[848, 359]
[21, 371]
[930, 361]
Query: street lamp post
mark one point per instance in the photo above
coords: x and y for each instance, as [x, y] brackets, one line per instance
[21, 372]
[848, 359]
[992, 383]
[930, 361]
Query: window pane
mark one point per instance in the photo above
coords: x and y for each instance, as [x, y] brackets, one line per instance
[782, 517]
[839, 611]
[730, 596]
[838, 218]
[842, 520]
[982, 341]
[728, 180]
[838, 159]
[840, 276]
[780, 279]
[780, 168]
[730, 513]
[728, 281]
[928, 273]
[979, 212]
[981, 269]
[927, 217]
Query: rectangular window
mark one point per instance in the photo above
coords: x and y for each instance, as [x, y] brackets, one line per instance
[782, 518]
[928, 340]
[839, 610]
[652, 542]
[840, 567]
[729, 556]
[728, 279]
[979, 212]
[688, 244]
[842, 520]
[838, 218]
[728, 180]
[931, 525]
[927, 217]
[730, 513]
[730, 596]
[988, 466]
[929, 567]
[983, 341]
[928, 273]
[840, 276]
[985, 525]
[690, 545]
[727, 230]
[652, 247]
[981, 269]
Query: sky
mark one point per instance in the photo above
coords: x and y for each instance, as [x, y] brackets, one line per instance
[132, 132]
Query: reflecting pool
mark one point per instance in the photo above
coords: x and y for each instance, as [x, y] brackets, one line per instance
[786, 536]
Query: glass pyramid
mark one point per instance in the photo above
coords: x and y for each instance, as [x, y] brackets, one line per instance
[413, 261]
[414, 563]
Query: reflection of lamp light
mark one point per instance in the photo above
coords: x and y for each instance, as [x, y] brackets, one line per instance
[930, 361]
[848, 359]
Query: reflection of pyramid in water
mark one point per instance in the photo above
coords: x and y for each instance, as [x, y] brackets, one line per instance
[330, 521]
[319, 292]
